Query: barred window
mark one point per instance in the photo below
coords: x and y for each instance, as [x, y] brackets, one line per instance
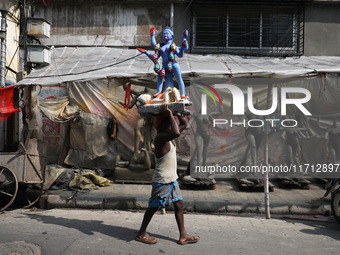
[249, 29]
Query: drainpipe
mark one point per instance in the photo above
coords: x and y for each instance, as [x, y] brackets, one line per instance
[3, 30]
[3, 48]
[172, 10]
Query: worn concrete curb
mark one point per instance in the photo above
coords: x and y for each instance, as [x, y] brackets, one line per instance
[130, 202]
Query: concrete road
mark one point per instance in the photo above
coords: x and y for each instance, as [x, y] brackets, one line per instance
[112, 232]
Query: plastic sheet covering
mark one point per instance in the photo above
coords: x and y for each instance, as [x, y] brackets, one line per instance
[77, 155]
[102, 97]
[89, 136]
[95, 134]
[91, 63]
[90, 74]
[227, 145]
[58, 109]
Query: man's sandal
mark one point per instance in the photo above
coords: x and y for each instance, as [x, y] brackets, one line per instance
[146, 239]
[189, 239]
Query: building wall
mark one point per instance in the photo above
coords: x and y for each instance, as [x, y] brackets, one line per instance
[12, 37]
[322, 29]
[182, 19]
[118, 24]
[107, 23]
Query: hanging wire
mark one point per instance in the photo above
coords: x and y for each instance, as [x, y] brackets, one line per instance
[95, 69]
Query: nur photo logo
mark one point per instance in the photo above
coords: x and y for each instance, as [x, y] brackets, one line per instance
[204, 97]
[242, 102]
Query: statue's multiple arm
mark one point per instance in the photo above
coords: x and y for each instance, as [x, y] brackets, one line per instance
[180, 50]
[153, 39]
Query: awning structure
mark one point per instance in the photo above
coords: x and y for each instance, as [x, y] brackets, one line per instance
[91, 63]
[90, 75]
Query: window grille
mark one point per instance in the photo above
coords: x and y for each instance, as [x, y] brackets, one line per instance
[249, 30]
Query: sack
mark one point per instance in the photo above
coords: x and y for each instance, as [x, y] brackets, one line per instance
[88, 181]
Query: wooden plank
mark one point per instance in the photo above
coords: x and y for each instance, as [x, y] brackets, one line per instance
[155, 108]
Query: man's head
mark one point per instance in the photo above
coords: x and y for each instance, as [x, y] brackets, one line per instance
[163, 123]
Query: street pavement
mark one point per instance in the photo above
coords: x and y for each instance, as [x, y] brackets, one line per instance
[69, 231]
[226, 198]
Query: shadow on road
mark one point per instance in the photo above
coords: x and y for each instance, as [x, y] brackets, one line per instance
[322, 228]
[89, 227]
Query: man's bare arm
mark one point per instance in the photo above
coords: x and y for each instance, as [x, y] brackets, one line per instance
[174, 130]
[183, 123]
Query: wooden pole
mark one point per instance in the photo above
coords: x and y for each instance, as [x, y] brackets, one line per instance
[266, 175]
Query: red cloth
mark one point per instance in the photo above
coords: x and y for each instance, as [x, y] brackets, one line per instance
[6, 102]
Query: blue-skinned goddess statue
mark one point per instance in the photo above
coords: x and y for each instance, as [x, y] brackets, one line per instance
[170, 68]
